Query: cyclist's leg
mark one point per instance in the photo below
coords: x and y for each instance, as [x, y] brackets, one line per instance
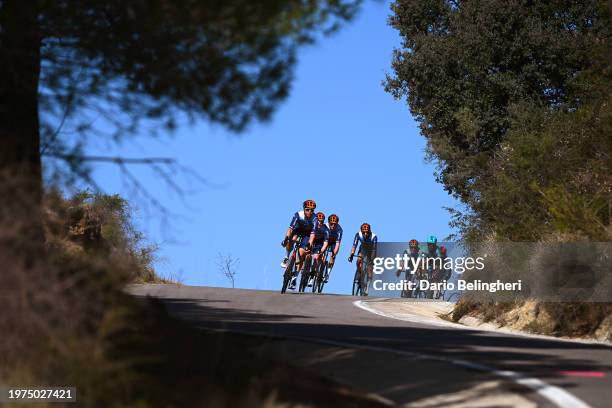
[370, 266]
[288, 247]
[290, 243]
[301, 242]
[330, 265]
[316, 257]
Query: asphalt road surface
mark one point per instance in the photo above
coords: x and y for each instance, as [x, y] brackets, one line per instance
[402, 359]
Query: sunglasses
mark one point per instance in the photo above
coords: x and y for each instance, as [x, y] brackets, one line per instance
[308, 209]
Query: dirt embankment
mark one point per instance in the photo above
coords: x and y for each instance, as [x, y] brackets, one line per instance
[566, 320]
[562, 320]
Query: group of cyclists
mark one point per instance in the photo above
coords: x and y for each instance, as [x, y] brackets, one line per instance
[311, 240]
[430, 272]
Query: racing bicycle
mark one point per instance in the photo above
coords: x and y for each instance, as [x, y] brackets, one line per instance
[322, 272]
[360, 281]
[292, 270]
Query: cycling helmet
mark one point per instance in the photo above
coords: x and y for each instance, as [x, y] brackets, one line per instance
[432, 239]
[320, 217]
[333, 219]
[365, 227]
[310, 205]
[413, 243]
[442, 250]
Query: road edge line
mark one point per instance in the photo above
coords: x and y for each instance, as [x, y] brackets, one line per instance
[556, 395]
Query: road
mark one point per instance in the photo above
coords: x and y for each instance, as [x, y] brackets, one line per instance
[401, 361]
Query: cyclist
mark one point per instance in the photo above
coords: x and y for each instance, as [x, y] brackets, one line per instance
[431, 261]
[299, 232]
[317, 243]
[368, 242]
[335, 237]
[413, 253]
[447, 271]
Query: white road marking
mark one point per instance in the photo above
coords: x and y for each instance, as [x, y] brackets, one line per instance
[557, 395]
[445, 323]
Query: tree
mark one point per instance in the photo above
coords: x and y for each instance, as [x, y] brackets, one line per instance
[228, 266]
[504, 93]
[463, 64]
[229, 62]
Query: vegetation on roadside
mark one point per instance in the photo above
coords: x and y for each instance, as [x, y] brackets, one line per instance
[515, 101]
[100, 226]
[67, 321]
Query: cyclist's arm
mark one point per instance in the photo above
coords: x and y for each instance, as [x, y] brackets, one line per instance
[355, 242]
[312, 236]
[375, 242]
[324, 247]
[338, 240]
[325, 242]
[292, 225]
[336, 248]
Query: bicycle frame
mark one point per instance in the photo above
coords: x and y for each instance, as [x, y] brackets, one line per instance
[361, 276]
[294, 260]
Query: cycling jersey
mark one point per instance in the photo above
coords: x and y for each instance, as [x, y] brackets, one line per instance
[321, 233]
[429, 267]
[413, 256]
[368, 244]
[302, 225]
[334, 235]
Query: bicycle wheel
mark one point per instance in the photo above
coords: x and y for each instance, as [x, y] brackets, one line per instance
[288, 274]
[322, 276]
[356, 283]
[315, 277]
[305, 275]
[363, 281]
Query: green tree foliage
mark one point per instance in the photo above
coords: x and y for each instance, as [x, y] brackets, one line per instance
[118, 63]
[514, 100]
[99, 227]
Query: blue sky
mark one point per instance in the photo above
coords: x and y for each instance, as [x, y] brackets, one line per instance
[338, 139]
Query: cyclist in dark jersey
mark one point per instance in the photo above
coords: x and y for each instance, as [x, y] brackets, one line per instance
[447, 271]
[412, 252]
[318, 242]
[299, 230]
[368, 242]
[335, 237]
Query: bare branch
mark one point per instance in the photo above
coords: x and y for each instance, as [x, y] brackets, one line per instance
[228, 266]
[112, 159]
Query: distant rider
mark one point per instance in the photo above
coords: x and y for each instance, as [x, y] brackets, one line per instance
[368, 242]
[412, 254]
[447, 271]
[431, 260]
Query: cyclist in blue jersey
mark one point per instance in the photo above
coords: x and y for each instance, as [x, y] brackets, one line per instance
[299, 230]
[432, 261]
[368, 242]
[335, 237]
[318, 242]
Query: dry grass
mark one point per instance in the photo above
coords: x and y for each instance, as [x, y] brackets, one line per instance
[66, 321]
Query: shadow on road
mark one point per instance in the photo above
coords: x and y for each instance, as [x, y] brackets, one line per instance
[403, 378]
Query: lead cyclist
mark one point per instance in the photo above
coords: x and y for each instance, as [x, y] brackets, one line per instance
[299, 233]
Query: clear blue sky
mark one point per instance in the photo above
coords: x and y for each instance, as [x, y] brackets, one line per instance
[338, 139]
